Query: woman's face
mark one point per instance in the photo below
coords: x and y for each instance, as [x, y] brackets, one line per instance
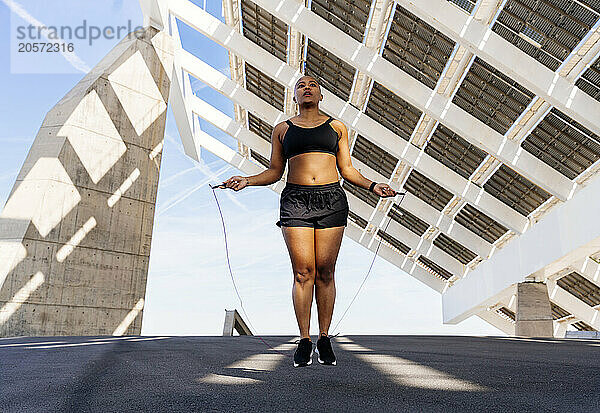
[307, 91]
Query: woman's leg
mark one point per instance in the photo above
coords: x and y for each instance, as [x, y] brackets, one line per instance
[327, 247]
[300, 242]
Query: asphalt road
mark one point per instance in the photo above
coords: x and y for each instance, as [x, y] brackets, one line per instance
[374, 373]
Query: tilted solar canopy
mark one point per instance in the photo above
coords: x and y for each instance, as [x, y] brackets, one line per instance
[487, 113]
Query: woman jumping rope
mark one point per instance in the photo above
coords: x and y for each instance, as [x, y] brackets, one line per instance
[313, 208]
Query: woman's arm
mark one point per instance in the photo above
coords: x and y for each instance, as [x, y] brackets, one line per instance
[277, 163]
[270, 175]
[344, 163]
[349, 172]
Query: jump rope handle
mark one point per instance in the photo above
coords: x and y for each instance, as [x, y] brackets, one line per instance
[395, 195]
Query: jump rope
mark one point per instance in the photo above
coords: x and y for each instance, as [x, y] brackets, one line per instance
[402, 194]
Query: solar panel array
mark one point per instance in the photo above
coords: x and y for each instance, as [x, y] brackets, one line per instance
[507, 313]
[417, 48]
[480, 224]
[564, 144]
[357, 219]
[491, 96]
[427, 190]
[516, 191]
[258, 157]
[333, 73]
[433, 267]
[455, 152]
[547, 30]
[393, 241]
[558, 312]
[361, 193]
[582, 326]
[260, 127]
[589, 81]
[408, 220]
[581, 287]
[350, 16]
[466, 5]
[265, 87]
[373, 156]
[455, 249]
[392, 111]
[264, 29]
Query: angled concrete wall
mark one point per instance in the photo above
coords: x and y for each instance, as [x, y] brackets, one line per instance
[76, 230]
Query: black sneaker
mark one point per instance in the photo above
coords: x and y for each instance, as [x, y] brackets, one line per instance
[304, 352]
[325, 352]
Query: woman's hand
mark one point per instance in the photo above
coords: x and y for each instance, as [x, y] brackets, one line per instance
[236, 182]
[384, 190]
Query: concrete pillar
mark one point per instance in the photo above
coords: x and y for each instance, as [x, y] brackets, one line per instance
[76, 230]
[534, 314]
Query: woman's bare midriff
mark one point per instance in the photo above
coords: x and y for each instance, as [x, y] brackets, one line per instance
[312, 168]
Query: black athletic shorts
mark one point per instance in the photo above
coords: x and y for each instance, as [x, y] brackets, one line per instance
[316, 206]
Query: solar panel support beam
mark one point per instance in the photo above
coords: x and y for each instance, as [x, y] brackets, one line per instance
[500, 323]
[573, 305]
[155, 13]
[567, 235]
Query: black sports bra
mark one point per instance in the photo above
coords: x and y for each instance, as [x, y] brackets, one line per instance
[322, 138]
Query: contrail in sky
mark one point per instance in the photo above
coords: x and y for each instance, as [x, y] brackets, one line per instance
[70, 57]
[180, 197]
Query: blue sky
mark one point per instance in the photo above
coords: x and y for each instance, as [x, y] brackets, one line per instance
[189, 286]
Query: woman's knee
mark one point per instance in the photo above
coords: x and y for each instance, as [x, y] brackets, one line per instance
[304, 275]
[324, 274]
